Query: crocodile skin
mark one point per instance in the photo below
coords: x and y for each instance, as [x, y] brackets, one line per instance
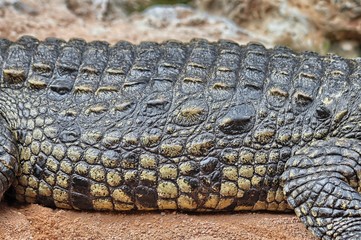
[195, 126]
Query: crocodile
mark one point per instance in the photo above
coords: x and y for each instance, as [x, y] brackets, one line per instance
[199, 126]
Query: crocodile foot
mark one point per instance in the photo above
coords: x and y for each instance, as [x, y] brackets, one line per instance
[321, 183]
[8, 159]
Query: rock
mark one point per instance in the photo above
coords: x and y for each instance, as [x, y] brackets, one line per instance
[300, 24]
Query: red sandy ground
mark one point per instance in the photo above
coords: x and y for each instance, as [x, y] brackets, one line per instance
[37, 222]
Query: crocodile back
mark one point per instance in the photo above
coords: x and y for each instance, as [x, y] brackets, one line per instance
[191, 126]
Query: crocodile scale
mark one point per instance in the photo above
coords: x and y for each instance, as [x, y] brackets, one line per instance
[198, 126]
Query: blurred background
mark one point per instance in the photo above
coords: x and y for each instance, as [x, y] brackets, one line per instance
[317, 25]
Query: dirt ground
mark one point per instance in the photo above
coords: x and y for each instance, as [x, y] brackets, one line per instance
[37, 222]
[42, 19]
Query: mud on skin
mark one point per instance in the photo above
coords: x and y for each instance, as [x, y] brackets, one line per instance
[195, 126]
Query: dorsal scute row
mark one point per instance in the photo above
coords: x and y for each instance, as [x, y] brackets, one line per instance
[281, 68]
[28, 42]
[256, 55]
[202, 55]
[222, 69]
[147, 55]
[307, 80]
[228, 57]
[225, 73]
[43, 63]
[121, 57]
[169, 66]
[355, 76]
[253, 70]
[337, 68]
[174, 53]
[45, 56]
[282, 58]
[336, 78]
[67, 66]
[17, 60]
[197, 67]
[70, 57]
[4, 44]
[94, 60]
[120, 61]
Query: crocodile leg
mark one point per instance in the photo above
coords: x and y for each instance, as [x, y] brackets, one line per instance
[321, 183]
[8, 158]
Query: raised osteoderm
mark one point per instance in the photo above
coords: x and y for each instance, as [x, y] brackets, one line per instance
[195, 126]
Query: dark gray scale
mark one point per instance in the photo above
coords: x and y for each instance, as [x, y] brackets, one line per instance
[66, 68]
[71, 56]
[43, 63]
[69, 129]
[336, 73]
[17, 61]
[317, 122]
[94, 60]
[4, 44]
[355, 76]
[307, 80]
[197, 69]
[203, 53]
[152, 111]
[170, 65]
[224, 79]
[191, 112]
[156, 104]
[29, 42]
[255, 56]
[238, 119]
[337, 89]
[252, 71]
[80, 190]
[228, 58]
[281, 65]
[322, 112]
[123, 107]
[120, 60]
[147, 57]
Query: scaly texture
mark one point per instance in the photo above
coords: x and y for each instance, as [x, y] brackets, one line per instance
[193, 126]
